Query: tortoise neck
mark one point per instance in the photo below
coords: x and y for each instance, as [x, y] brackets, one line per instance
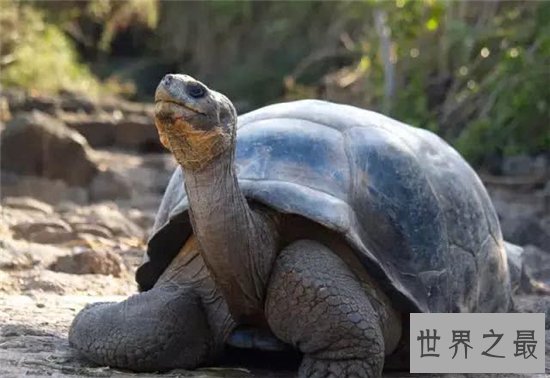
[237, 243]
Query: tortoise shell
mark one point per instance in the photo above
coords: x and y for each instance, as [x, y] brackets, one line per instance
[413, 210]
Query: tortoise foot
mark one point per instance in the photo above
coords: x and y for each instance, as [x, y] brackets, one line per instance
[318, 368]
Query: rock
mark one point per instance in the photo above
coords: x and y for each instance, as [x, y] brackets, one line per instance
[537, 263]
[524, 165]
[545, 224]
[144, 173]
[143, 219]
[137, 133]
[510, 202]
[529, 269]
[108, 216]
[65, 207]
[14, 258]
[91, 262]
[133, 132]
[27, 203]
[45, 232]
[40, 188]
[103, 122]
[525, 229]
[523, 214]
[21, 102]
[515, 265]
[127, 108]
[13, 216]
[92, 229]
[44, 281]
[36, 144]
[76, 103]
[14, 97]
[102, 223]
[107, 185]
[534, 304]
[99, 130]
[19, 254]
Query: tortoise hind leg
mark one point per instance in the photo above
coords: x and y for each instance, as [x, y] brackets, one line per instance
[315, 303]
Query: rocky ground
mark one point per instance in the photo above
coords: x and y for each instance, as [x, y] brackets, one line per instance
[81, 181]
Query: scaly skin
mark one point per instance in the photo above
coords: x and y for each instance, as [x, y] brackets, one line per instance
[316, 303]
[145, 332]
[200, 133]
[181, 323]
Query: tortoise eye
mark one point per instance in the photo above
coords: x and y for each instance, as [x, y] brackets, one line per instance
[195, 90]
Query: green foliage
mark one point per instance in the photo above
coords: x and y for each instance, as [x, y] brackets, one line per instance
[114, 14]
[477, 73]
[247, 48]
[502, 100]
[37, 55]
[82, 19]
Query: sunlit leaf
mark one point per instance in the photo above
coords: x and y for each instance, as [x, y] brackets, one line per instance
[432, 24]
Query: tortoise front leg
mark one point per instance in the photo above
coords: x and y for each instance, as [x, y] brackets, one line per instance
[316, 303]
[160, 329]
[180, 323]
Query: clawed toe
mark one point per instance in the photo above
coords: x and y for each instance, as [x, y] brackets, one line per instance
[320, 368]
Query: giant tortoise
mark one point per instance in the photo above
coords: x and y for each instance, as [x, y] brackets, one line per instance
[321, 224]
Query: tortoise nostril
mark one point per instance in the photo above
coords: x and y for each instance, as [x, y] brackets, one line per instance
[167, 79]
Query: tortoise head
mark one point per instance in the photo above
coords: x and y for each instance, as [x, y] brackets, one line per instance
[194, 122]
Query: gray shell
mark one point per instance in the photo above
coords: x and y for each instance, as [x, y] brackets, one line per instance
[414, 211]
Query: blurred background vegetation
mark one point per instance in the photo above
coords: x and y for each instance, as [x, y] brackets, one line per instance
[477, 73]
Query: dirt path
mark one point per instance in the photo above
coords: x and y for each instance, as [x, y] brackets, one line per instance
[33, 342]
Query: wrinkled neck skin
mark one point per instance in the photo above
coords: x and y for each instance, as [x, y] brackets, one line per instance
[238, 243]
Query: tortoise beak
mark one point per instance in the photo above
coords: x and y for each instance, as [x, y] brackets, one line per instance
[163, 92]
[172, 89]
